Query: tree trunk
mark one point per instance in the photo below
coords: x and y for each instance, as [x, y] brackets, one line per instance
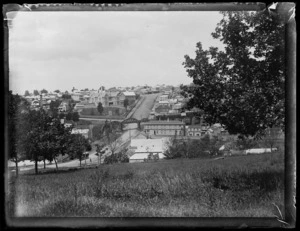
[17, 170]
[55, 164]
[85, 161]
[80, 162]
[44, 163]
[36, 166]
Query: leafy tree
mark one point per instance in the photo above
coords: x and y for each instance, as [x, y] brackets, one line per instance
[119, 157]
[69, 116]
[75, 116]
[44, 91]
[100, 108]
[77, 146]
[126, 103]
[66, 96]
[271, 137]
[243, 86]
[27, 93]
[36, 92]
[57, 91]
[54, 107]
[16, 105]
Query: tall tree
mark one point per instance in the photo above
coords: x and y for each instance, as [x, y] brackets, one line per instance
[79, 144]
[26, 93]
[100, 108]
[44, 91]
[75, 116]
[243, 86]
[126, 103]
[36, 92]
[16, 108]
[57, 91]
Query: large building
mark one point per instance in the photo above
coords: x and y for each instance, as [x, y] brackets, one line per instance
[145, 149]
[164, 128]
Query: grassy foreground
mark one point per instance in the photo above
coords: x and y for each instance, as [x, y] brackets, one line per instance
[240, 186]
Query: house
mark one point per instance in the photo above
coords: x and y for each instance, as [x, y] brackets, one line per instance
[84, 132]
[163, 109]
[113, 98]
[64, 106]
[195, 130]
[164, 128]
[97, 97]
[164, 102]
[144, 149]
[130, 96]
[178, 107]
[163, 97]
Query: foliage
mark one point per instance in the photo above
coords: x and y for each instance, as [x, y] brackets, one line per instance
[54, 107]
[77, 145]
[27, 93]
[100, 108]
[16, 105]
[75, 116]
[97, 131]
[119, 157]
[243, 86]
[66, 96]
[57, 91]
[36, 92]
[126, 103]
[243, 142]
[271, 136]
[43, 136]
[44, 91]
[203, 148]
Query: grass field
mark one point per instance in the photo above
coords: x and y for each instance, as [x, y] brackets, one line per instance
[239, 186]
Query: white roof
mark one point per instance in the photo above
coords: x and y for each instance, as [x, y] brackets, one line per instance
[79, 131]
[163, 101]
[129, 93]
[149, 145]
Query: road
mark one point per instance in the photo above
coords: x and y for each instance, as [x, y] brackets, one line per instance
[145, 108]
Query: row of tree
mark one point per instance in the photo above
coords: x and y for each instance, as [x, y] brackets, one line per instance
[36, 135]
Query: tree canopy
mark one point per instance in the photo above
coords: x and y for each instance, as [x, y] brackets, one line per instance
[241, 87]
[100, 108]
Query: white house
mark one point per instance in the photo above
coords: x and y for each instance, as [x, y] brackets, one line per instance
[84, 132]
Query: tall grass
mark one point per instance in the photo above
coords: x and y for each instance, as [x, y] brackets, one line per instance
[236, 186]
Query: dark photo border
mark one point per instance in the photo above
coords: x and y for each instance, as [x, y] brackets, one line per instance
[290, 130]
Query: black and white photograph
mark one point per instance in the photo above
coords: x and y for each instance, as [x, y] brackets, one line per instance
[150, 111]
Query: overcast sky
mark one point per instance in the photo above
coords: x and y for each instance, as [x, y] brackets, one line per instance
[61, 50]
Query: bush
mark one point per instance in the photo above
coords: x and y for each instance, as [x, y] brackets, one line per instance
[116, 158]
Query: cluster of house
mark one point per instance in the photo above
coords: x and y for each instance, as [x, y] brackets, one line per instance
[111, 97]
[169, 103]
[42, 100]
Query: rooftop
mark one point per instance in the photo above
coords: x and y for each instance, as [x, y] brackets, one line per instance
[129, 93]
[164, 122]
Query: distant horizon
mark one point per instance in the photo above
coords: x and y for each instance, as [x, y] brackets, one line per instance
[59, 50]
[82, 88]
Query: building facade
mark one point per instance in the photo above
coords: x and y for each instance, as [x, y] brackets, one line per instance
[164, 128]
